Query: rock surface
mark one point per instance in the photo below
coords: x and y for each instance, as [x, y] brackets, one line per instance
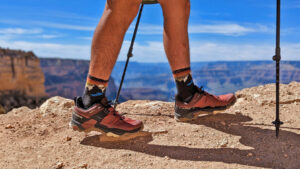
[22, 79]
[240, 137]
[21, 71]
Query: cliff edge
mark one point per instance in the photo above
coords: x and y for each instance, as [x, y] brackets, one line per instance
[240, 137]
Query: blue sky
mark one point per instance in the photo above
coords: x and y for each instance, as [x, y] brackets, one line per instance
[219, 29]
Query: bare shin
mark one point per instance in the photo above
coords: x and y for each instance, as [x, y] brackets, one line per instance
[109, 35]
[176, 40]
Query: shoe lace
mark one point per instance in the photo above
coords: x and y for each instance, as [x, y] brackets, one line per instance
[115, 112]
[202, 91]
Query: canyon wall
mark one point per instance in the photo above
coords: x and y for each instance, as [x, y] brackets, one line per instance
[21, 79]
[67, 78]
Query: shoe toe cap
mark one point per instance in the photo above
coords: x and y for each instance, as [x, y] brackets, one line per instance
[135, 123]
[230, 97]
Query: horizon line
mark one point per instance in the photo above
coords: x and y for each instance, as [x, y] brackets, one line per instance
[53, 58]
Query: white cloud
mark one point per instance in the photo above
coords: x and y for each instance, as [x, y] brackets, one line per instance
[17, 33]
[63, 26]
[229, 29]
[50, 25]
[50, 49]
[150, 52]
[89, 38]
[214, 51]
[154, 51]
[48, 36]
[20, 31]
[69, 15]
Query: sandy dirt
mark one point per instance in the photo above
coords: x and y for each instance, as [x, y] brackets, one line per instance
[240, 137]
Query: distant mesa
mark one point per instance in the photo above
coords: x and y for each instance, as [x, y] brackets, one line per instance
[22, 79]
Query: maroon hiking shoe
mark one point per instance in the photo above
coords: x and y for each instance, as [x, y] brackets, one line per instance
[202, 103]
[103, 118]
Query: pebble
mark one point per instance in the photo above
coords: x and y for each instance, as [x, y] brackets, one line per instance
[160, 132]
[9, 126]
[196, 130]
[285, 155]
[223, 143]
[166, 157]
[126, 155]
[69, 138]
[85, 165]
[59, 165]
[237, 112]
[250, 155]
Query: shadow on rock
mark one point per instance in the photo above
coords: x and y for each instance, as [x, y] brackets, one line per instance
[267, 151]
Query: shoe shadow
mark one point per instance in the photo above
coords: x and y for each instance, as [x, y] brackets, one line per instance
[267, 151]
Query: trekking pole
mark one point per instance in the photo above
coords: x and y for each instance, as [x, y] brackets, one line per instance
[129, 54]
[277, 58]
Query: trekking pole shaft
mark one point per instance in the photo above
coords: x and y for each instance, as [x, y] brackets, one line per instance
[278, 27]
[129, 54]
[277, 58]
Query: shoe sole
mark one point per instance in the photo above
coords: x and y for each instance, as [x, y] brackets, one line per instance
[205, 111]
[108, 134]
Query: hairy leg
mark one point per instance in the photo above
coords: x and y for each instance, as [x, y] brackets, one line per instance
[176, 43]
[109, 35]
[176, 40]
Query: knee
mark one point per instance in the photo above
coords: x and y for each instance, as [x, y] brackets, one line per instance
[124, 7]
[183, 4]
[175, 8]
[124, 11]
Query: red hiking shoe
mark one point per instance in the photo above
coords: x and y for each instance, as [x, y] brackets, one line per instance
[103, 118]
[202, 103]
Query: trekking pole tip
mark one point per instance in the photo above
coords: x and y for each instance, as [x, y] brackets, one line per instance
[277, 124]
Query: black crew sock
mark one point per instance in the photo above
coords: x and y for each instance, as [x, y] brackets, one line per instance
[91, 95]
[185, 88]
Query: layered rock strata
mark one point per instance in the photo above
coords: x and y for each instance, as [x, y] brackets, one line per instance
[21, 79]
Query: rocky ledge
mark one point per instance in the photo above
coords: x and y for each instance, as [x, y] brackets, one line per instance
[240, 137]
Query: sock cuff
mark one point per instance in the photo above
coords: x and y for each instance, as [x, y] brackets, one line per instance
[91, 80]
[181, 72]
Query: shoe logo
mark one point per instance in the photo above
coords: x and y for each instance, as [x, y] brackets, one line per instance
[97, 94]
[190, 83]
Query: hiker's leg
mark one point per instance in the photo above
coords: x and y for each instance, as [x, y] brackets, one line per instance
[176, 41]
[106, 45]
[92, 111]
[109, 34]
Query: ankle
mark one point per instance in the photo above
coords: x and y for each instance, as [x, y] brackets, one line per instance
[185, 85]
[93, 94]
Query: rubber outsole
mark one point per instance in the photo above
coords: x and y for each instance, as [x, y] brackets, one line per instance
[108, 134]
[203, 111]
